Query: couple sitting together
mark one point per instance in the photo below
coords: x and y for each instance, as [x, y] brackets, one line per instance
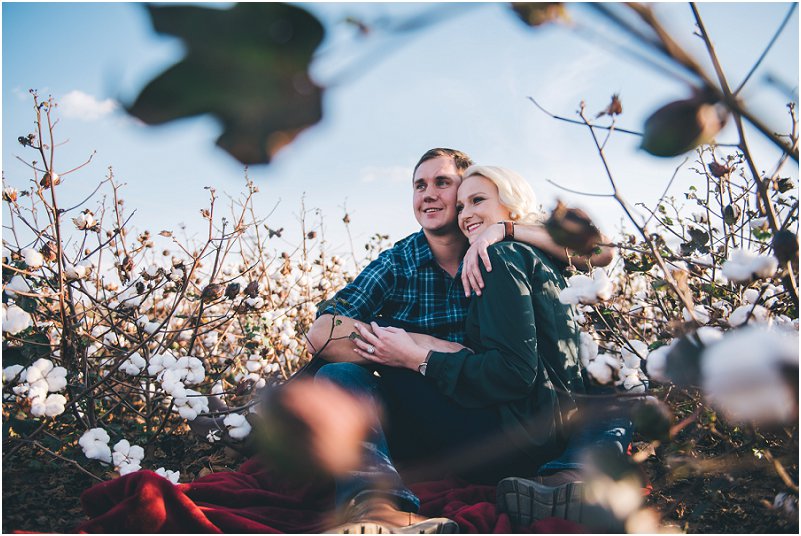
[498, 371]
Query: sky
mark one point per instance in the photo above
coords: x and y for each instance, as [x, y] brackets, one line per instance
[461, 82]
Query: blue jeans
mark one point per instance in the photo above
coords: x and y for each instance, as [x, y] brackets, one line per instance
[615, 433]
[378, 475]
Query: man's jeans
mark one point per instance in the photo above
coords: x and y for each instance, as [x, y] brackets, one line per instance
[377, 471]
[424, 423]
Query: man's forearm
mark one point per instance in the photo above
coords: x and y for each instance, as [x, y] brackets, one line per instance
[438, 345]
[537, 236]
[329, 337]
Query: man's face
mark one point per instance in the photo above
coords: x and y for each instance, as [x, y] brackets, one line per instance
[435, 184]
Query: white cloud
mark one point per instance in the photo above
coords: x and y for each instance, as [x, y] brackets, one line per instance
[83, 106]
[387, 173]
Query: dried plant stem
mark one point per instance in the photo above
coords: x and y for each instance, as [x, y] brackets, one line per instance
[671, 281]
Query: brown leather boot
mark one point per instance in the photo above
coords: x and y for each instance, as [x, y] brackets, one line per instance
[379, 516]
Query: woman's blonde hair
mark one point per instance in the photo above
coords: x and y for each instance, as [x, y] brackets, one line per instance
[514, 192]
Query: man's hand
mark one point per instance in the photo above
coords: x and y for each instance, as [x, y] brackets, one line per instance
[392, 347]
[471, 270]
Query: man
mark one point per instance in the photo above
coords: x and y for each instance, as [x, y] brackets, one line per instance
[417, 285]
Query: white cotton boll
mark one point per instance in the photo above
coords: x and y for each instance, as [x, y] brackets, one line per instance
[128, 467]
[743, 265]
[160, 363]
[656, 363]
[708, 335]
[577, 291]
[756, 314]
[172, 384]
[253, 366]
[15, 319]
[701, 314]
[33, 259]
[172, 476]
[758, 223]
[50, 406]
[43, 370]
[256, 303]
[238, 426]
[176, 274]
[14, 371]
[750, 295]
[217, 390]
[190, 369]
[703, 260]
[112, 339]
[191, 404]
[85, 220]
[94, 443]
[723, 306]
[632, 383]
[142, 321]
[125, 453]
[743, 375]
[631, 359]
[602, 369]
[152, 271]
[210, 339]
[17, 284]
[586, 290]
[134, 364]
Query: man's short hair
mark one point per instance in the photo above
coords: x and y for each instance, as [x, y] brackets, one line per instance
[460, 159]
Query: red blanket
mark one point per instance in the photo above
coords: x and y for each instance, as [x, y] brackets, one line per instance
[254, 499]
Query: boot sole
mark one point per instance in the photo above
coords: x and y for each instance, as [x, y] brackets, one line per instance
[526, 501]
[429, 526]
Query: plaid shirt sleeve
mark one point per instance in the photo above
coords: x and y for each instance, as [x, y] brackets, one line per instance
[365, 295]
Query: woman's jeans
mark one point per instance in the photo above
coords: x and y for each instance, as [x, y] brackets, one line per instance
[421, 423]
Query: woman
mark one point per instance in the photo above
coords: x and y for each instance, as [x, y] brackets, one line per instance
[519, 377]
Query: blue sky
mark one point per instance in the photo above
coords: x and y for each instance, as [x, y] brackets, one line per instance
[461, 83]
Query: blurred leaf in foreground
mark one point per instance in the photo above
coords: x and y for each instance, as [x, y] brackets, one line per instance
[539, 13]
[247, 66]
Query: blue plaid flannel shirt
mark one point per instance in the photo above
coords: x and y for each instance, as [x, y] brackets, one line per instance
[406, 288]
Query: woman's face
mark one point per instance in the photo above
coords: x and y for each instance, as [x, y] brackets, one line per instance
[479, 206]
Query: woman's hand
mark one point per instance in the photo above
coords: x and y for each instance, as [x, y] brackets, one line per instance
[471, 270]
[392, 347]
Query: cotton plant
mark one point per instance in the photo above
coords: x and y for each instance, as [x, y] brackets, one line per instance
[744, 265]
[81, 270]
[134, 365]
[94, 443]
[701, 313]
[127, 458]
[587, 290]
